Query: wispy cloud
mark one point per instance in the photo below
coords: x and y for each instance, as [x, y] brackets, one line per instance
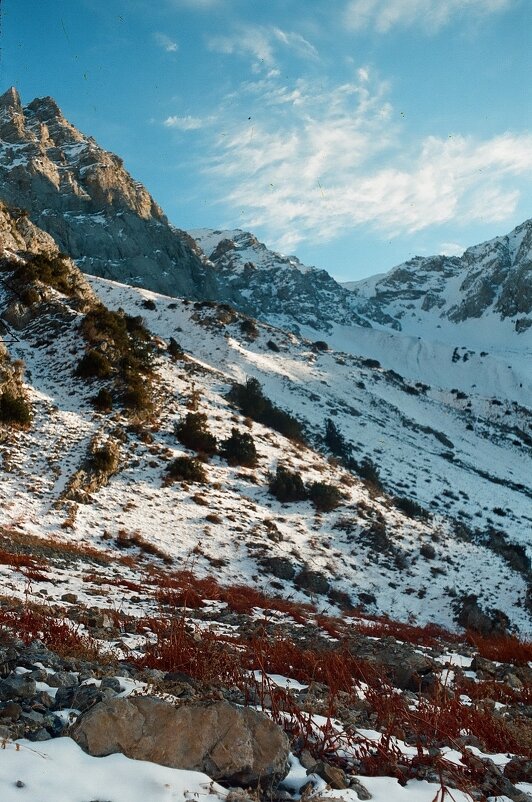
[261, 43]
[431, 15]
[295, 42]
[165, 42]
[312, 164]
[187, 122]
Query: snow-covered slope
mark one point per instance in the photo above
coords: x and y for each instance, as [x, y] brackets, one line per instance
[464, 459]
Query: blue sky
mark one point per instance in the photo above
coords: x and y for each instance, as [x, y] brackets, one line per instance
[354, 133]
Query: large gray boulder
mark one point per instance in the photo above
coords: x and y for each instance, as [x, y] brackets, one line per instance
[236, 745]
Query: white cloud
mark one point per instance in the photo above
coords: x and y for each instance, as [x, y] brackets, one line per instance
[248, 40]
[431, 15]
[166, 43]
[261, 43]
[187, 123]
[296, 42]
[314, 163]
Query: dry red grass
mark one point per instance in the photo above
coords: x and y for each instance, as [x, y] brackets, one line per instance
[184, 589]
[62, 636]
[382, 626]
[28, 566]
[502, 648]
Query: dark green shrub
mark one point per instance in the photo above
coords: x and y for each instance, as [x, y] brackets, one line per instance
[101, 323]
[335, 441]
[93, 364]
[252, 402]
[185, 469]
[248, 327]
[128, 355]
[239, 449]
[367, 470]
[136, 327]
[193, 432]
[30, 296]
[287, 485]
[174, 349]
[127, 333]
[136, 396]
[325, 497]
[410, 507]
[149, 304]
[102, 401]
[14, 409]
[103, 459]
[51, 270]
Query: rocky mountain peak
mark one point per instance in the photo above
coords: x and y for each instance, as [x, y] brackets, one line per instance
[84, 197]
[45, 108]
[10, 99]
[12, 127]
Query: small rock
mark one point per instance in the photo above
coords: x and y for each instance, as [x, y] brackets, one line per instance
[333, 776]
[10, 711]
[113, 683]
[71, 598]
[513, 681]
[361, 790]
[38, 735]
[307, 761]
[62, 679]
[17, 687]
[519, 770]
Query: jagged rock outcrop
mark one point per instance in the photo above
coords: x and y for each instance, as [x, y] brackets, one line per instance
[107, 222]
[267, 284]
[84, 198]
[493, 279]
[32, 268]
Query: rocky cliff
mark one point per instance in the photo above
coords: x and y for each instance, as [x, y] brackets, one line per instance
[83, 196]
[491, 281]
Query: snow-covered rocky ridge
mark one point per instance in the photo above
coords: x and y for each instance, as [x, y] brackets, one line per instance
[464, 460]
[478, 298]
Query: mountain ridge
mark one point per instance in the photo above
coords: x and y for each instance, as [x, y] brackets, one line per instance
[112, 227]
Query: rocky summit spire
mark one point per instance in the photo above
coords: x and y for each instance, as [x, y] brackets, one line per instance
[10, 99]
[12, 128]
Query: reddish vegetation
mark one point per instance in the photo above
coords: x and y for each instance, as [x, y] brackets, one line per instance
[502, 648]
[28, 566]
[497, 691]
[382, 626]
[59, 634]
[214, 660]
[184, 589]
[438, 720]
